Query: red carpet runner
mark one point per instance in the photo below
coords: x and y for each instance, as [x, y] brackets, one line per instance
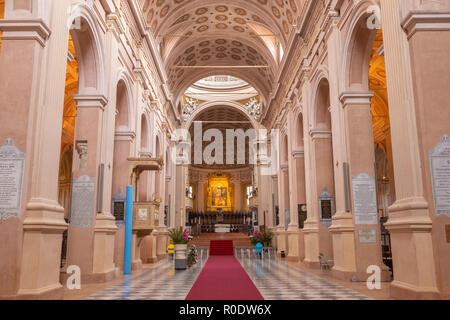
[221, 247]
[223, 278]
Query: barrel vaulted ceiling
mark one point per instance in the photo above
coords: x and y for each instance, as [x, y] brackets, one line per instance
[195, 35]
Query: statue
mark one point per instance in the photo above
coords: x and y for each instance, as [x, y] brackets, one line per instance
[189, 108]
[253, 108]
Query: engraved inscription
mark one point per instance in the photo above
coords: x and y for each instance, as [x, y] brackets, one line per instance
[367, 236]
[11, 175]
[440, 176]
[365, 200]
[82, 207]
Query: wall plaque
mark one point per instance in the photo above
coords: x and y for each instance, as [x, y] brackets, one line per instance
[440, 176]
[12, 163]
[364, 199]
[118, 208]
[326, 208]
[367, 236]
[82, 205]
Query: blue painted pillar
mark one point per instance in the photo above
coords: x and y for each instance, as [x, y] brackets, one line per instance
[128, 231]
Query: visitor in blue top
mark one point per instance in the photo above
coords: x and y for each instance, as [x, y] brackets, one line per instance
[259, 246]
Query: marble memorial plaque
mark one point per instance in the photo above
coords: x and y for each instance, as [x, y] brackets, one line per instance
[367, 236]
[142, 214]
[440, 176]
[82, 206]
[364, 200]
[12, 163]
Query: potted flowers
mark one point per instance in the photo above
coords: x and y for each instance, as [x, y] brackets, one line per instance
[256, 237]
[180, 239]
[266, 238]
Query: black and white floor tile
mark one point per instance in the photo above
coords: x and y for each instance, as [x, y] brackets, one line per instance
[276, 280]
[161, 282]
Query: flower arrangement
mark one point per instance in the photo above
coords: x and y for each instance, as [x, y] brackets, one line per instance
[256, 237]
[178, 237]
[266, 237]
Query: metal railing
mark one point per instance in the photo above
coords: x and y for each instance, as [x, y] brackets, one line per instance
[251, 252]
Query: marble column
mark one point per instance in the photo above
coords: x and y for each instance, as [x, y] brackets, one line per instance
[201, 187]
[283, 187]
[237, 195]
[32, 94]
[415, 37]
[293, 230]
[91, 231]
[352, 253]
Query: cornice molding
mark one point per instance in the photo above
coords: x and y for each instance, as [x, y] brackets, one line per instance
[425, 21]
[25, 29]
[91, 101]
[356, 98]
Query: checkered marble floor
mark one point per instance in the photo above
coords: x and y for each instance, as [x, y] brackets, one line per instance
[161, 282]
[276, 280]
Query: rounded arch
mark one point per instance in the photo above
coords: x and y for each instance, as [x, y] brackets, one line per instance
[320, 117]
[124, 102]
[158, 145]
[210, 104]
[193, 77]
[358, 48]
[145, 133]
[89, 47]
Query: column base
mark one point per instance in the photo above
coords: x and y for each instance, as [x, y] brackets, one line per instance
[151, 260]
[343, 273]
[53, 292]
[41, 251]
[136, 265]
[403, 291]
[311, 240]
[293, 236]
[161, 256]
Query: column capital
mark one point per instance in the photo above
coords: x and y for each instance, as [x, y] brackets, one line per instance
[284, 167]
[91, 101]
[25, 29]
[358, 98]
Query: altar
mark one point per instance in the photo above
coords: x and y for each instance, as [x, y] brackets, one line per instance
[222, 228]
[219, 193]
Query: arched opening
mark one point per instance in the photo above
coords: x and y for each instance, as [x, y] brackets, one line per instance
[144, 179]
[299, 160]
[369, 113]
[123, 139]
[384, 166]
[324, 167]
[67, 139]
[158, 175]
[83, 102]
[285, 178]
